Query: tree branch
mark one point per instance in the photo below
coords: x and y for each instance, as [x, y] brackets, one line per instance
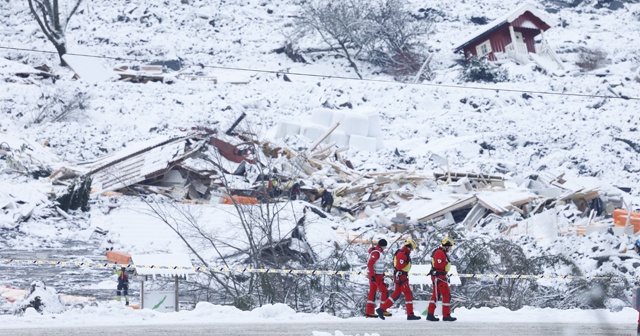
[43, 25]
[73, 11]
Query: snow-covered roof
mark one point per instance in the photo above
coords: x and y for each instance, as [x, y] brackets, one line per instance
[136, 163]
[507, 18]
[502, 201]
[163, 264]
[89, 69]
[431, 205]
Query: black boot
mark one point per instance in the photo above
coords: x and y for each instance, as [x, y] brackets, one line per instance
[380, 313]
[413, 317]
[431, 317]
[449, 318]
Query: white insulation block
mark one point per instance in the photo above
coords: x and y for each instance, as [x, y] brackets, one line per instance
[363, 143]
[286, 128]
[341, 139]
[356, 124]
[374, 125]
[313, 132]
[322, 116]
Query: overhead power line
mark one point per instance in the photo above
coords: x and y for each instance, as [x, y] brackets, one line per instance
[384, 81]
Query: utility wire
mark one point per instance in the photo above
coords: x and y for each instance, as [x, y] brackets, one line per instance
[385, 81]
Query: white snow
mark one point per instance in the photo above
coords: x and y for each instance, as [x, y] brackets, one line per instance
[111, 313]
[444, 124]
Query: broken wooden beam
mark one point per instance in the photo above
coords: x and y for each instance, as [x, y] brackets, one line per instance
[235, 124]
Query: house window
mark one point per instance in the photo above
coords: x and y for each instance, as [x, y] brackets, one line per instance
[483, 48]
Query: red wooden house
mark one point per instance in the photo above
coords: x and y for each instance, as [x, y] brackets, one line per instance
[513, 36]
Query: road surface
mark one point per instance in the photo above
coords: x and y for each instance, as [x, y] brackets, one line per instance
[347, 327]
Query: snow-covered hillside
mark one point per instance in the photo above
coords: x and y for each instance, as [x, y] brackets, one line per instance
[575, 123]
[527, 134]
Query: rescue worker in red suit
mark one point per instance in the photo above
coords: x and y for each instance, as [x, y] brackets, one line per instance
[401, 265]
[376, 268]
[439, 268]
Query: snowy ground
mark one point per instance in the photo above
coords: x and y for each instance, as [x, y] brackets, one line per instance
[110, 314]
[480, 129]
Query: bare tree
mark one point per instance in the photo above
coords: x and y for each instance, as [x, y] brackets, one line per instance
[53, 21]
[60, 104]
[382, 32]
[256, 237]
[343, 25]
[399, 36]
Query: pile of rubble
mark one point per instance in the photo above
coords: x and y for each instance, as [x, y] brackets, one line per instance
[208, 165]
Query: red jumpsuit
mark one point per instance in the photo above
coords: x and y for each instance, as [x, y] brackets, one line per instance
[375, 265]
[402, 265]
[440, 267]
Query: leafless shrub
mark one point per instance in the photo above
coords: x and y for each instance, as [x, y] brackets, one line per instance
[342, 25]
[399, 33]
[60, 105]
[262, 242]
[403, 64]
[591, 59]
[384, 32]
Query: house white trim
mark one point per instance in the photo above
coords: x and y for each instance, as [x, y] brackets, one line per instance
[483, 48]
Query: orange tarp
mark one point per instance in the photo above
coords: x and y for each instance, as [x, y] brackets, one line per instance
[620, 219]
[239, 199]
[118, 257]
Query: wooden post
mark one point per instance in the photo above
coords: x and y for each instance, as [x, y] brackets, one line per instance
[636, 305]
[315, 144]
[176, 287]
[628, 221]
[427, 61]
[512, 33]
[142, 292]
[230, 130]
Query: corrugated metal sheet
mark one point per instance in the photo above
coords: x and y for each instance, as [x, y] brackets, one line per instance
[136, 164]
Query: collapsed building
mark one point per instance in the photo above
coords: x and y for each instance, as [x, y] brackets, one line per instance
[234, 167]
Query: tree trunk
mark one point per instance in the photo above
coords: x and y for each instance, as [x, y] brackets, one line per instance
[62, 49]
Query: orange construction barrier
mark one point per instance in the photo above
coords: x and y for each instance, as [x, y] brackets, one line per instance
[620, 219]
[12, 294]
[118, 257]
[239, 199]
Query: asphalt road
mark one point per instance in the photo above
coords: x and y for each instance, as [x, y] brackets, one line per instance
[382, 328]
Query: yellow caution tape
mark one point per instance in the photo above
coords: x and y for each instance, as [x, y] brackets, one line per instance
[297, 272]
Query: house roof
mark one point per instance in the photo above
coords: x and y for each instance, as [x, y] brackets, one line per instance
[163, 264]
[89, 69]
[507, 18]
[137, 162]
